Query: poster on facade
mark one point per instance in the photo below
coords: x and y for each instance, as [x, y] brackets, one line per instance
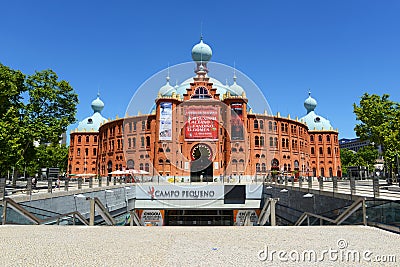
[165, 128]
[236, 121]
[201, 123]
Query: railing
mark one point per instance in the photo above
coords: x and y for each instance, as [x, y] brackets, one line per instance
[268, 211]
[8, 202]
[360, 202]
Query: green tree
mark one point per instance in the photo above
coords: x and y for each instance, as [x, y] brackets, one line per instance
[35, 108]
[11, 89]
[379, 123]
[347, 158]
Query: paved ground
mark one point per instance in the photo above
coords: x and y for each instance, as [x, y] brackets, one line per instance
[197, 246]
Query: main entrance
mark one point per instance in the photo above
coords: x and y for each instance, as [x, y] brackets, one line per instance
[198, 217]
[201, 167]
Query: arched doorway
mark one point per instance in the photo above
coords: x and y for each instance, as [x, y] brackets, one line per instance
[201, 167]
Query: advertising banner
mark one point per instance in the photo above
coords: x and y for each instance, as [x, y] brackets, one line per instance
[201, 123]
[152, 217]
[165, 128]
[239, 217]
[237, 121]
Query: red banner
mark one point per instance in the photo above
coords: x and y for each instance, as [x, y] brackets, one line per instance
[201, 123]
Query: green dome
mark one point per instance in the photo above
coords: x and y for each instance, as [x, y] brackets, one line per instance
[201, 52]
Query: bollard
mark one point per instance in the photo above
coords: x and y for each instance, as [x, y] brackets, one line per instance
[375, 184]
[100, 180]
[80, 183]
[108, 180]
[115, 180]
[29, 186]
[309, 182]
[300, 181]
[90, 182]
[2, 187]
[49, 185]
[321, 182]
[66, 184]
[353, 185]
[335, 183]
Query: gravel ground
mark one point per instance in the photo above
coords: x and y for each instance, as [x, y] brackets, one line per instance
[194, 246]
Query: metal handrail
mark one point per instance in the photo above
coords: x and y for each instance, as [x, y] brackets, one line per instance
[360, 202]
[28, 215]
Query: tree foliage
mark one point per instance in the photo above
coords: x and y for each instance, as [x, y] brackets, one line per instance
[380, 123]
[37, 107]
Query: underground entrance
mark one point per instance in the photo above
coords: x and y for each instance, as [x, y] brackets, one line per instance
[198, 217]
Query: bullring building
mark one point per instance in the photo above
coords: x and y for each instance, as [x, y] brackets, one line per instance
[202, 130]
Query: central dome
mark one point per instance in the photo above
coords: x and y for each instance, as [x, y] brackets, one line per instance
[201, 52]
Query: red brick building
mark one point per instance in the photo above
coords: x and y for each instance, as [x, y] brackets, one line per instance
[202, 130]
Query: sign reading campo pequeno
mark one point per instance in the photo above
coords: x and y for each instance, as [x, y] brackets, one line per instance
[175, 192]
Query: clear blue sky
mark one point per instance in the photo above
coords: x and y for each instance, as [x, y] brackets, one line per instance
[339, 48]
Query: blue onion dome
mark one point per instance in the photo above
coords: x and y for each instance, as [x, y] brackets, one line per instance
[313, 120]
[235, 87]
[92, 123]
[166, 89]
[310, 103]
[201, 52]
[97, 104]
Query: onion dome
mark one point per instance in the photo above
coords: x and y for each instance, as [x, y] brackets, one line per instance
[235, 87]
[201, 52]
[97, 104]
[166, 89]
[93, 122]
[313, 120]
[310, 103]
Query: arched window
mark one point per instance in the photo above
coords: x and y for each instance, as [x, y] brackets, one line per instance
[256, 141]
[311, 138]
[296, 164]
[275, 126]
[143, 125]
[319, 138]
[147, 140]
[261, 124]
[330, 172]
[329, 150]
[130, 164]
[287, 143]
[78, 152]
[129, 142]
[141, 166]
[263, 167]
[312, 151]
[234, 149]
[262, 141]
[270, 125]
[322, 172]
[134, 142]
[95, 139]
[271, 142]
[321, 152]
[258, 167]
[146, 167]
[87, 139]
[79, 139]
[234, 161]
[285, 167]
[276, 142]
[94, 152]
[275, 163]
[328, 138]
[160, 161]
[257, 156]
[283, 142]
[142, 141]
[255, 124]
[201, 93]
[314, 172]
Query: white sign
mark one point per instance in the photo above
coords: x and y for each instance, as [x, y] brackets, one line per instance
[165, 131]
[157, 192]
